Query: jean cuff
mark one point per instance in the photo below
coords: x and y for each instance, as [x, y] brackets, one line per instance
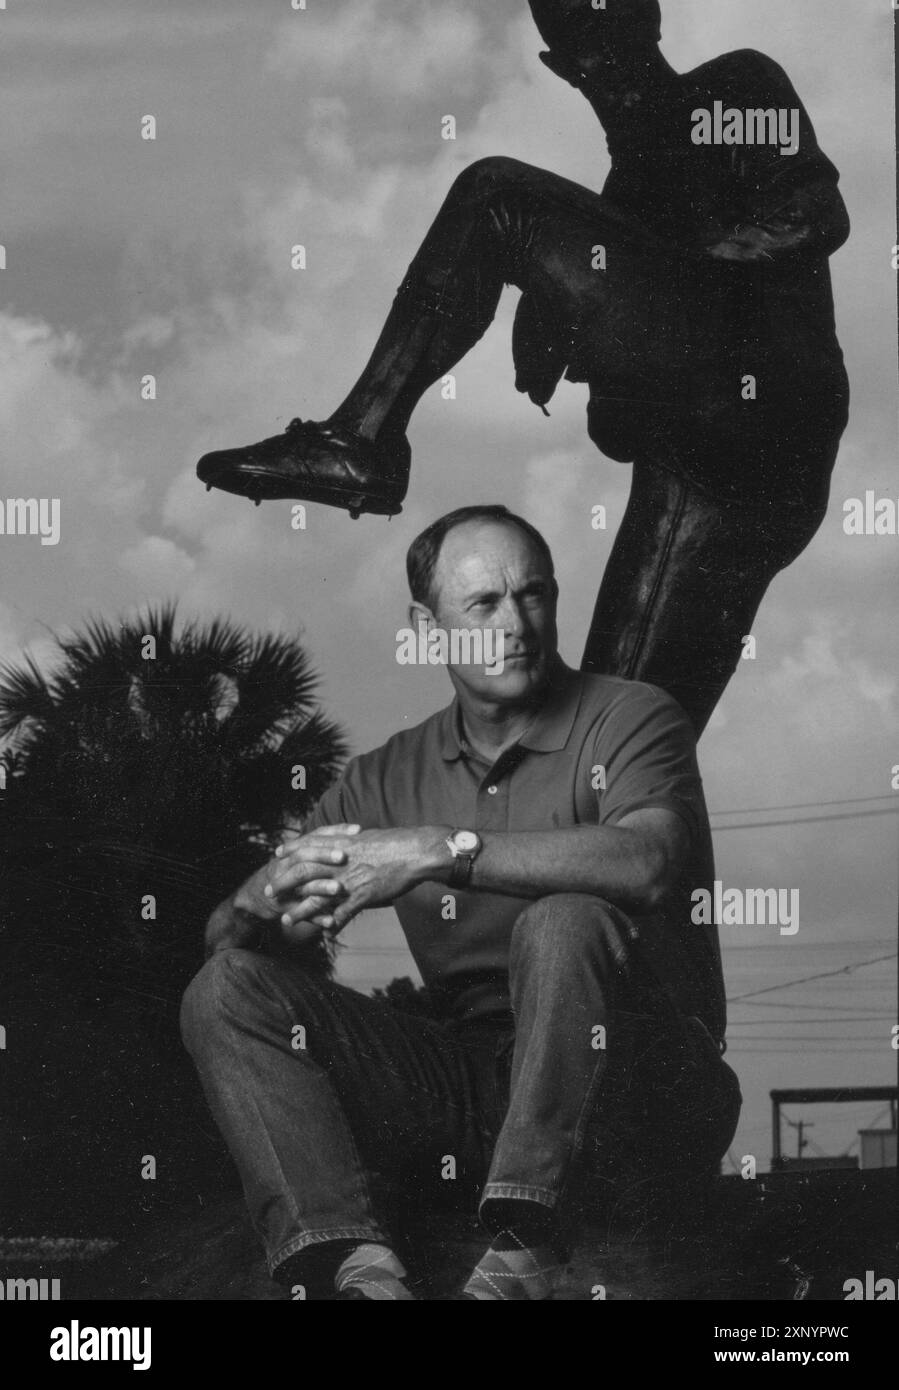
[364, 1234]
[506, 1191]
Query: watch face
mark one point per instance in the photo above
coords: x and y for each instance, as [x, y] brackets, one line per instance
[466, 841]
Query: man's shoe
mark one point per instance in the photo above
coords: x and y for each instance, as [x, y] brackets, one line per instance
[315, 462]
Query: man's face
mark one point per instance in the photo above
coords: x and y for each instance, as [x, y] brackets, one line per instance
[490, 575]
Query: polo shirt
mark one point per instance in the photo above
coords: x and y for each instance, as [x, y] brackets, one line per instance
[599, 748]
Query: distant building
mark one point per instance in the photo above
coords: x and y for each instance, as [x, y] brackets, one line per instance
[878, 1148]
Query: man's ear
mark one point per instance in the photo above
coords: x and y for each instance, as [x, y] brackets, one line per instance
[418, 613]
[568, 71]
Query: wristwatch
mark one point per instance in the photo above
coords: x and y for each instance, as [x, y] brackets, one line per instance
[464, 846]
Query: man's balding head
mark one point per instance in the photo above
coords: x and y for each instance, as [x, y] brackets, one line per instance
[424, 552]
[484, 568]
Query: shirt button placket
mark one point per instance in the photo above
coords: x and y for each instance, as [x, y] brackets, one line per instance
[494, 800]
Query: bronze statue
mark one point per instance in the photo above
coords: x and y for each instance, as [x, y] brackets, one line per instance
[692, 296]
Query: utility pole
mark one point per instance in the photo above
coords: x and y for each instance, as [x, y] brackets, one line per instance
[801, 1142]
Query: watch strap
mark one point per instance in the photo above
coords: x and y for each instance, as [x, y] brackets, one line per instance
[460, 876]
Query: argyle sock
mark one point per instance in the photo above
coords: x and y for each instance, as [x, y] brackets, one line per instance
[510, 1271]
[375, 1270]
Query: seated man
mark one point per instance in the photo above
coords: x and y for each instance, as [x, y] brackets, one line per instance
[692, 295]
[539, 838]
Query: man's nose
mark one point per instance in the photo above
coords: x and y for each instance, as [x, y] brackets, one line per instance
[512, 617]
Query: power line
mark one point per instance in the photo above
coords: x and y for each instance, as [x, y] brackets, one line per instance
[787, 1023]
[870, 1014]
[845, 944]
[823, 975]
[804, 805]
[874, 1038]
[793, 1047]
[805, 820]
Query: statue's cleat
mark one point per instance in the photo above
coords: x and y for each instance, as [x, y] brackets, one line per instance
[313, 462]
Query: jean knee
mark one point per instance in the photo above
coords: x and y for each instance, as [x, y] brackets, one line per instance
[218, 985]
[572, 925]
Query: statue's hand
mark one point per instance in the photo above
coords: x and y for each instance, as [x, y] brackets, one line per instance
[753, 245]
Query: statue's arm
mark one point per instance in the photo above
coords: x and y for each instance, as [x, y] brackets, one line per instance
[810, 221]
[811, 218]
[792, 203]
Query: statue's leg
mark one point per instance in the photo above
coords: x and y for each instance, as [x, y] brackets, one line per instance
[685, 579]
[503, 222]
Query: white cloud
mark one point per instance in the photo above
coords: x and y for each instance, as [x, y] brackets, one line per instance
[10, 635]
[828, 673]
[98, 28]
[401, 47]
[329, 225]
[158, 565]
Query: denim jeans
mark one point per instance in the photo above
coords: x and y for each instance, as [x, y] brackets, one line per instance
[317, 1088]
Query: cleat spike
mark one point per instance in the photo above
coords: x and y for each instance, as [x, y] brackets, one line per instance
[257, 501]
[209, 487]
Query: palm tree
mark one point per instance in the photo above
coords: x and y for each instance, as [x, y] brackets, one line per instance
[145, 776]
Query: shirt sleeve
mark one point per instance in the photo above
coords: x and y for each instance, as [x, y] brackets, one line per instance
[648, 749]
[328, 810]
[351, 799]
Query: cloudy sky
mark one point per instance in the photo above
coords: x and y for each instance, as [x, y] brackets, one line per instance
[278, 126]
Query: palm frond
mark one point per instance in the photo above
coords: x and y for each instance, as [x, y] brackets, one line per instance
[26, 696]
[275, 688]
[138, 776]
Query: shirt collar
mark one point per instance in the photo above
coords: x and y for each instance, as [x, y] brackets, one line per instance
[549, 731]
